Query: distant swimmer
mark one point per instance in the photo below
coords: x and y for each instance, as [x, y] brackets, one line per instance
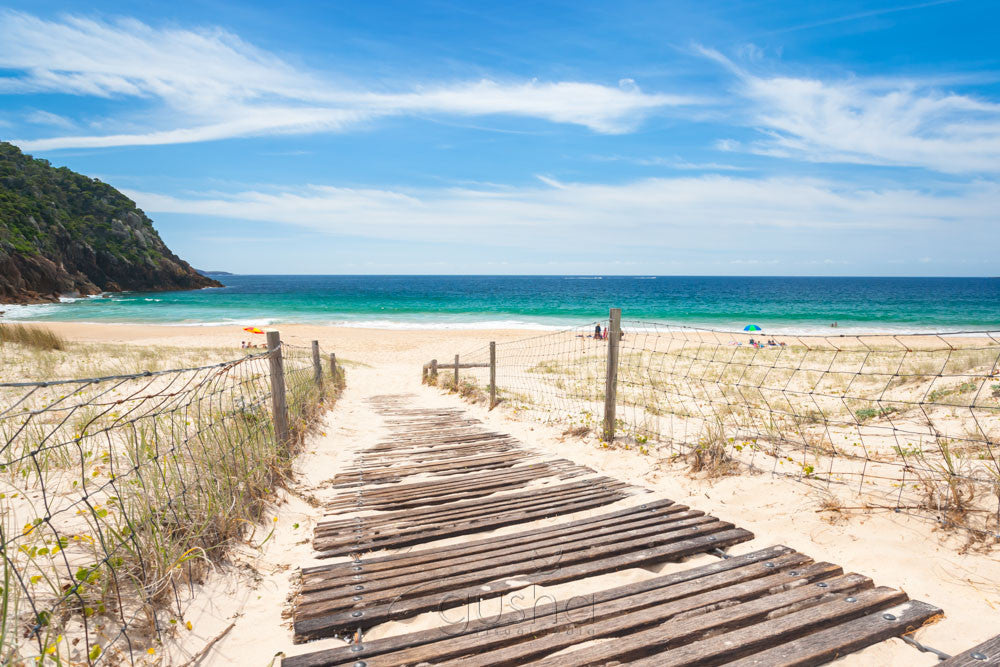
[834, 325]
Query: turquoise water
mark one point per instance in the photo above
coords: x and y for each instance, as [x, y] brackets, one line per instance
[776, 304]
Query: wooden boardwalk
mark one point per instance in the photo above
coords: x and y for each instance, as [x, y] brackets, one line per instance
[442, 475]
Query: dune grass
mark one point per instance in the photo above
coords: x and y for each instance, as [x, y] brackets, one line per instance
[31, 335]
[106, 510]
[913, 422]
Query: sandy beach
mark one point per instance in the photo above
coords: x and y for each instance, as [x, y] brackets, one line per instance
[335, 326]
[251, 593]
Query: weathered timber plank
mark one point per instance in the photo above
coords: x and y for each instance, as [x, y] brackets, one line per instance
[447, 574]
[389, 475]
[375, 529]
[416, 537]
[837, 641]
[535, 637]
[404, 437]
[446, 493]
[441, 445]
[422, 534]
[455, 509]
[428, 454]
[436, 434]
[535, 467]
[435, 439]
[512, 554]
[388, 488]
[370, 474]
[329, 547]
[404, 565]
[463, 365]
[987, 653]
[780, 557]
[444, 514]
[488, 543]
[474, 480]
[805, 609]
[458, 464]
[326, 625]
[543, 488]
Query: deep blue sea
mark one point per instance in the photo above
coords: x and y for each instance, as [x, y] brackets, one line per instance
[776, 304]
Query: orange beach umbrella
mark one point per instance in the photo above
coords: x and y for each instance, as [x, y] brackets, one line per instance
[253, 330]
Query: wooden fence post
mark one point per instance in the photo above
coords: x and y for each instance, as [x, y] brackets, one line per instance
[493, 374]
[317, 366]
[456, 372]
[611, 385]
[279, 405]
[333, 367]
[434, 370]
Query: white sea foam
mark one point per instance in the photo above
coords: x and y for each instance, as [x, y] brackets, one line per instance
[429, 322]
[445, 325]
[22, 312]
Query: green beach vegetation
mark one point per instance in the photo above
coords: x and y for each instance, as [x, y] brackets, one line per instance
[107, 510]
[62, 232]
[32, 336]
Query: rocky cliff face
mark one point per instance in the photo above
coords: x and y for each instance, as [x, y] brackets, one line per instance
[64, 233]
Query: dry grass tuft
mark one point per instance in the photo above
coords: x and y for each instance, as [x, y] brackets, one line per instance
[31, 335]
[711, 456]
[946, 487]
[832, 509]
[466, 388]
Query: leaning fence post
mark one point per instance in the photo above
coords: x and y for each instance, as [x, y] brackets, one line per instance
[434, 370]
[317, 366]
[611, 385]
[493, 374]
[279, 406]
[456, 372]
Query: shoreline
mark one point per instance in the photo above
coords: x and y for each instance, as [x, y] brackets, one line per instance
[484, 326]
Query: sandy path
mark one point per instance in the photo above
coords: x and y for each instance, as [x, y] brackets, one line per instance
[894, 550]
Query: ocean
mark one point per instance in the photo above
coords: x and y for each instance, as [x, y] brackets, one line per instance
[777, 304]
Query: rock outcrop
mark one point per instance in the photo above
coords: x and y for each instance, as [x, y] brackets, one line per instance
[62, 233]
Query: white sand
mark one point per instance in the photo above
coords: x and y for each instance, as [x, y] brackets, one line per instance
[894, 550]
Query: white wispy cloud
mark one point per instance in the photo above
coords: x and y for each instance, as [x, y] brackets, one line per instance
[40, 117]
[854, 16]
[210, 84]
[899, 122]
[658, 211]
[675, 162]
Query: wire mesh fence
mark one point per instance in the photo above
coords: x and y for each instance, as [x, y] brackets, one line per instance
[553, 377]
[909, 422]
[117, 492]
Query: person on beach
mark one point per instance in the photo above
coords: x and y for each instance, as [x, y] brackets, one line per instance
[597, 332]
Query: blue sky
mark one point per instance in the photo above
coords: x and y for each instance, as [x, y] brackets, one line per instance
[757, 138]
